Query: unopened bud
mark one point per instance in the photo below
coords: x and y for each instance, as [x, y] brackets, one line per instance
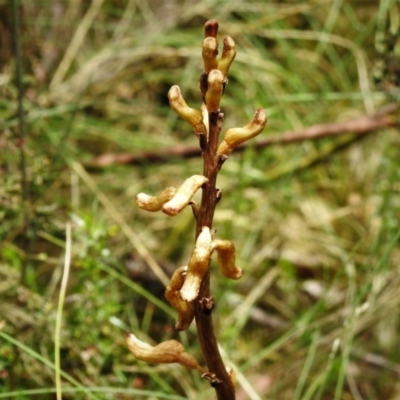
[228, 55]
[235, 136]
[154, 203]
[183, 195]
[215, 90]
[172, 294]
[198, 265]
[211, 28]
[194, 117]
[167, 352]
[226, 258]
[210, 52]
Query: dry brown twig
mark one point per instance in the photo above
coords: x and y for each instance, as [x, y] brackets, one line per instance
[189, 289]
[363, 125]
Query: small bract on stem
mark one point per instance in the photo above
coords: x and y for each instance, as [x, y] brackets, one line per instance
[189, 289]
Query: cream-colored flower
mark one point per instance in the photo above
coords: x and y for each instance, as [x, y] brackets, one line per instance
[215, 89]
[184, 195]
[198, 265]
[154, 203]
[194, 117]
[235, 136]
[172, 293]
[226, 258]
[228, 55]
[209, 54]
[167, 352]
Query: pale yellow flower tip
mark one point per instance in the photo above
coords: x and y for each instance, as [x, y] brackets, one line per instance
[198, 265]
[154, 203]
[226, 258]
[215, 90]
[235, 136]
[228, 55]
[183, 195]
[209, 53]
[167, 352]
[194, 117]
[172, 294]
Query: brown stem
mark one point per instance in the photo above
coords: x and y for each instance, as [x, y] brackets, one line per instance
[218, 376]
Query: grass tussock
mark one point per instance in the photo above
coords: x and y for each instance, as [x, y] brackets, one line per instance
[315, 224]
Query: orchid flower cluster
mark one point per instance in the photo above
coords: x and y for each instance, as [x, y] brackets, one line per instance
[183, 290]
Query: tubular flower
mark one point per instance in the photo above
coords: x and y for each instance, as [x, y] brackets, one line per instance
[226, 258]
[183, 195]
[228, 55]
[215, 90]
[194, 117]
[154, 203]
[198, 265]
[235, 136]
[167, 352]
[209, 53]
[172, 294]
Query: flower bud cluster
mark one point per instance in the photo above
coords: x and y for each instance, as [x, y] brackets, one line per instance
[215, 71]
[210, 50]
[198, 266]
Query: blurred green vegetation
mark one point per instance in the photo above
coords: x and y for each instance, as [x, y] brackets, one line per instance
[316, 315]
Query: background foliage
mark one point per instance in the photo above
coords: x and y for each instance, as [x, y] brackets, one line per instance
[316, 224]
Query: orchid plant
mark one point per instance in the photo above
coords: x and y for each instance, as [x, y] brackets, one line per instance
[189, 289]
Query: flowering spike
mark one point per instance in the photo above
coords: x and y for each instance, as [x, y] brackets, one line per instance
[154, 203]
[226, 258]
[194, 117]
[198, 265]
[167, 352]
[172, 294]
[228, 55]
[183, 195]
[215, 90]
[235, 136]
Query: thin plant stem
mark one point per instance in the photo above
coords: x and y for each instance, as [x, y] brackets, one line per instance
[203, 316]
[61, 301]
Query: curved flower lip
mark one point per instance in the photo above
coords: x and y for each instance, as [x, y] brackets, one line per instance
[167, 352]
[235, 136]
[198, 265]
[190, 115]
[154, 203]
[226, 258]
[183, 195]
[172, 294]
